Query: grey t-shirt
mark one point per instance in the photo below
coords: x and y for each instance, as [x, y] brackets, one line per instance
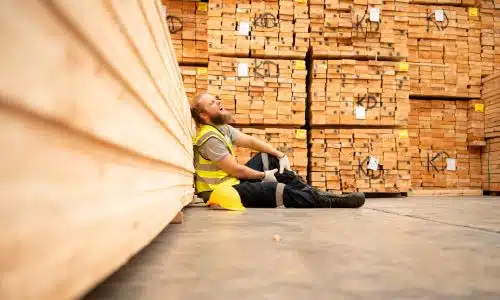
[214, 149]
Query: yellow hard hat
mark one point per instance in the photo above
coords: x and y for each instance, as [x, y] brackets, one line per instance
[225, 197]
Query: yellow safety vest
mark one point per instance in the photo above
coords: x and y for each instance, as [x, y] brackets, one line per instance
[208, 173]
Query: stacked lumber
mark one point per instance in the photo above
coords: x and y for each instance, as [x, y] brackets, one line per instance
[490, 36]
[86, 184]
[475, 123]
[491, 153]
[259, 28]
[351, 92]
[350, 28]
[292, 142]
[260, 91]
[440, 156]
[195, 80]
[491, 97]
[187, 23]
[365, 160]
[491, 165]
[446, 55]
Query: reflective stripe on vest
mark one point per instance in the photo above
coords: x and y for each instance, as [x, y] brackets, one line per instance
[208, 173]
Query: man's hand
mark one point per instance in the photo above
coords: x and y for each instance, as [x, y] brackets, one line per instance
[284, 164]
[269, 176]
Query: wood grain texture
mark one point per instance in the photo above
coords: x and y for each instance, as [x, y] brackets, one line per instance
[96, 141]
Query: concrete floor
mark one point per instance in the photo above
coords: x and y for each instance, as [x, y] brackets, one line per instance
[404, 248]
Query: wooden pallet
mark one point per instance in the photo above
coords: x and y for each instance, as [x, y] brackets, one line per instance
[187, 23]
[340, 88]
[195, 80]
[438, 132]
[258, 28]
[292, 142]
[446, 192]
[343, 29]
[491, 98]
[445, 56]
[339, 160]
[491, 165]
[271, 92]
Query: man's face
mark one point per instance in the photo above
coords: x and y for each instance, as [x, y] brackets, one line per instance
[214, 111]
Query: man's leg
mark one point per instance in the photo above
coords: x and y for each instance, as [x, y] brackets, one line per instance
[300, 194]
[273, 194]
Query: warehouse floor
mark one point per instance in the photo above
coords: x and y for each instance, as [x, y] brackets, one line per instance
[425, 248]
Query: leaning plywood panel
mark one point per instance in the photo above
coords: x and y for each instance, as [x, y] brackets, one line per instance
[96, 141]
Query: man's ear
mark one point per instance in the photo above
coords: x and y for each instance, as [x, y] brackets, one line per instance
[205, 116]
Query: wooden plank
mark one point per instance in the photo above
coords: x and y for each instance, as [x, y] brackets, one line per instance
[94, 163]
[451, 193]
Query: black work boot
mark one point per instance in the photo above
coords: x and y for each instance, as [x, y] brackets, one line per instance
[330, 200]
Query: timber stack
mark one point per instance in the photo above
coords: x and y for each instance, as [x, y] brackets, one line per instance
[356, 29]
[490, 36]
[444, 51]
[491, 153]
[365, 160]
[340, 88]
[441, 156]
[359, 78]
[257, 69]
[187, 24]
[258, 28]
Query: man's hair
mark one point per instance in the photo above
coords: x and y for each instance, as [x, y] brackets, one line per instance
[196, 108]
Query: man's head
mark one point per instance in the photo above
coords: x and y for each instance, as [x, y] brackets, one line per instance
[208, 109]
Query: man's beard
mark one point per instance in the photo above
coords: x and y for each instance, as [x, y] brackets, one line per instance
[221, 119]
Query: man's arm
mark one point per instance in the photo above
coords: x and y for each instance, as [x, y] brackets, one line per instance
[247, 141]
[229, 165]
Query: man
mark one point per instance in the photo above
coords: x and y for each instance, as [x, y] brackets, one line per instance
[265, 181]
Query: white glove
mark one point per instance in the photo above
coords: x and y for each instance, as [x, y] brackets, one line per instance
[269, 176]
[284, 164]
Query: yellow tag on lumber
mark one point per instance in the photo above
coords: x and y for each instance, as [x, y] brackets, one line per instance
[202, 6]
[300, 65]
[201, 71]
[473, 12]
[403, 67]
[479, 107]
[403, 134]
[301, 1]
[301, 134]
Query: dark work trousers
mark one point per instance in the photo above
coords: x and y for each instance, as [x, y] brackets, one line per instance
[289, 191]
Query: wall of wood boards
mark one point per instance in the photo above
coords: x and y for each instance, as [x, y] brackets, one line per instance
[438, 133]
[96, 141]
[490, 96]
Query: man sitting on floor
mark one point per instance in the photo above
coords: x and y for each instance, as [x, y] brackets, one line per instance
[258, 183]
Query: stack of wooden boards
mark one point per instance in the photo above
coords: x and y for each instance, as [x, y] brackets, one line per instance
[187, 23]
[440, 154]
[490, 36]
[195, 80]
[491, 153]
[292, 142]
[365, 160]
[359, 28]
[96, 137]
[351, 92]
[259, 28]
[444, 44]
[260, 91]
